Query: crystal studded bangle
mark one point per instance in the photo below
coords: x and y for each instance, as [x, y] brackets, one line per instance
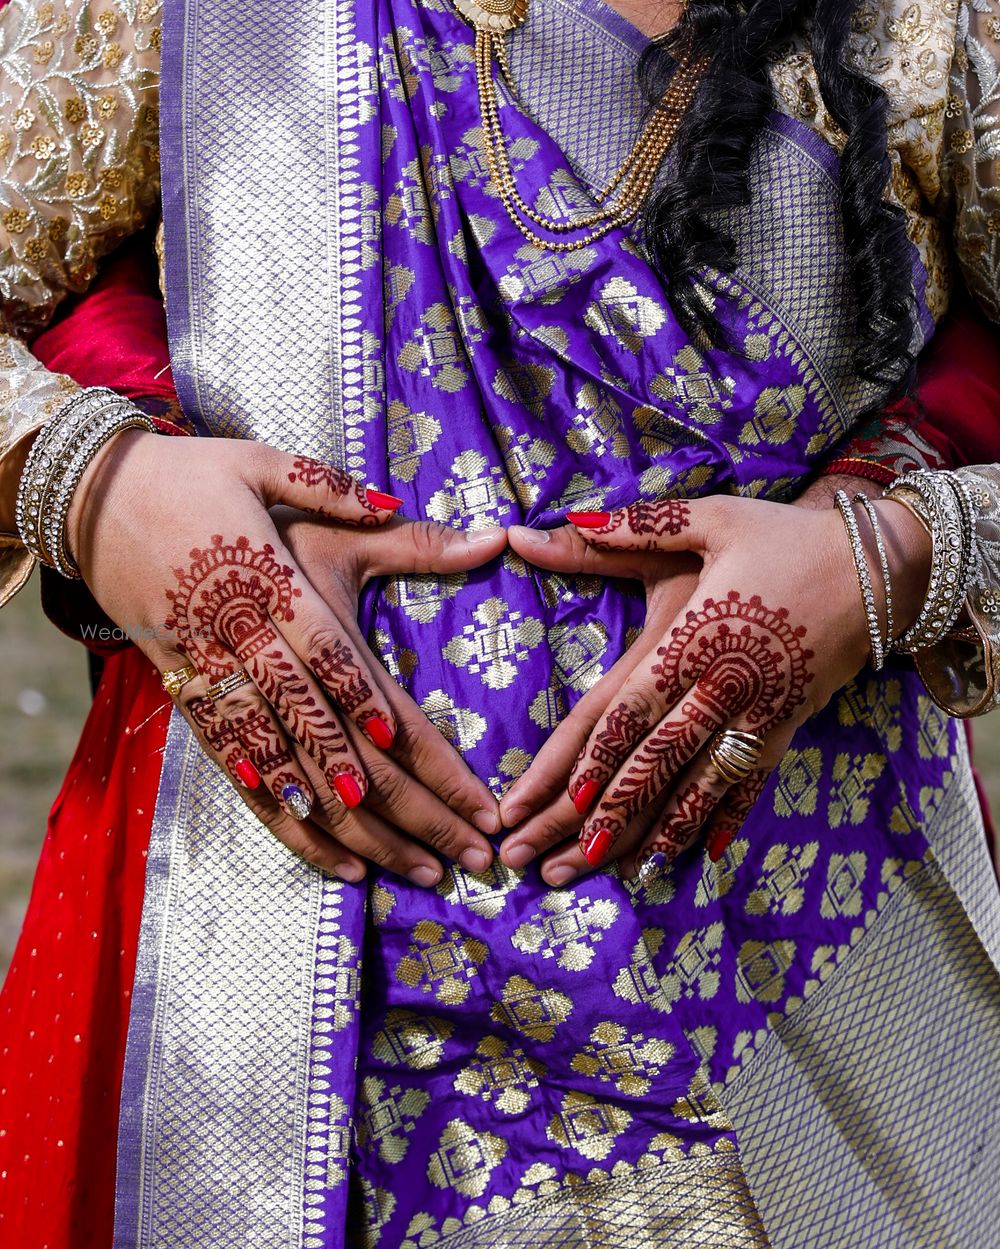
[883, 559]
[941, 502]
[878, 644]
[60, 455]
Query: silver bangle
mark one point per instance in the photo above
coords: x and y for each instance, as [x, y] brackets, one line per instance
[944, 507]
[864, 578]
[883, 559]
[60, 455]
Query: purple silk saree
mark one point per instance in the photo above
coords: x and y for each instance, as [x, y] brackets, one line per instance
[741, 1054]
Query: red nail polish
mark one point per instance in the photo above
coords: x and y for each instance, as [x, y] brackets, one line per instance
[247, 773]
[348, 789]
[718, 843]
[377, 498]
[584, 796]
[588, 520]
[598, 846]
[379, 731]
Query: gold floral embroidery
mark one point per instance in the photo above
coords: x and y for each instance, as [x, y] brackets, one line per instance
[694, 968]
[484, 893]
[465, 1159]
[388, 1115]
[799, 774]
[441, 962]
[462, 726]
[761, 969]
[502, 1075]
[845, 876]
[566, 927]
[412, 1040]
[854, 778]
[780, 887]
[587, 1125]
[493, 646]
[530, 1009]
[630, 1063]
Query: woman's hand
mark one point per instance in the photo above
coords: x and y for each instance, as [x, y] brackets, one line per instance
[175, 539]
[771, 629]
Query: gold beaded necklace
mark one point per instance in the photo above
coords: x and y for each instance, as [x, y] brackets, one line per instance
[624, 195]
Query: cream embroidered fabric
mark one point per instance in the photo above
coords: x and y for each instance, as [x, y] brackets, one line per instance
[79, 165]
[78, 173]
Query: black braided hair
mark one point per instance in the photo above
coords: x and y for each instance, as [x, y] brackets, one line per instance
[712, 154]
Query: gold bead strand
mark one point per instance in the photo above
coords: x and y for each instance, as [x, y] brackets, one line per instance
[634, 177]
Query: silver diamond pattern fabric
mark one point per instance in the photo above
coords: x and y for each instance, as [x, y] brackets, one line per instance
[849, 1116]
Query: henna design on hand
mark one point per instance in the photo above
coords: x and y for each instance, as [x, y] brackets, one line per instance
[310, 472]
[226, 601]
[622, 729]
[657, 761]
[310, 722]
[679, 828]
[732, 658]
[314, 473]
[218, 733]
[743, 656]
[647, 521]
[339, 672]
[731, 813]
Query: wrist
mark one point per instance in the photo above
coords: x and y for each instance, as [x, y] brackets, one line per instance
[101, 488]
[819, 494]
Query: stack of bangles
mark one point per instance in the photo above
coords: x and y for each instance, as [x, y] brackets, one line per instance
[942, 502]
[62, 451]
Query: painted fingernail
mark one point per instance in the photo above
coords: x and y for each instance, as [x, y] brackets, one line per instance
[584, 796]
[379, 731]
[424, 876]
[474, 860]
[247, 773]
[519, 856]
[475, 537]
[588, 520]
[378, 498]
[560, 875]
[718, 843]
[536, 537]
[650, 867]
[298, 803]
[598, 846]
[487, 821]
[348, 789]
[351, 872]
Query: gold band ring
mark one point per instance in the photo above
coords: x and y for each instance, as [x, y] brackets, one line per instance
[175, 680]
[232, 681]
[735, 755]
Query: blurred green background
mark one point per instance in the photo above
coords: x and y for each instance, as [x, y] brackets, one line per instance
[44, 698]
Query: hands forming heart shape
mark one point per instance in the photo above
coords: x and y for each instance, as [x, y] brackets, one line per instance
[753, 621]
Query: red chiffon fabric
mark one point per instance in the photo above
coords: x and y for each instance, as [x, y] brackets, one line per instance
[64, 1007]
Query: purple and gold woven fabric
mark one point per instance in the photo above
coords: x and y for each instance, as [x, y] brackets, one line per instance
[494, 1061]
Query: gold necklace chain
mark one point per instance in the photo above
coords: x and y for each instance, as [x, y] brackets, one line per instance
[623, 196]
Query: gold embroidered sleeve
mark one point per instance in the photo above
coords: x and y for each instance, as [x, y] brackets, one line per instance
[962, 673]
[971, 159]
[79, 172]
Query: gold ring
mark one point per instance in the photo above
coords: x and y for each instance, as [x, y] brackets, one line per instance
[175, 680]
[735, 755]
[232, 681]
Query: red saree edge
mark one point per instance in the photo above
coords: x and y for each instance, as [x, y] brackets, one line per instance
[64, 1008]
